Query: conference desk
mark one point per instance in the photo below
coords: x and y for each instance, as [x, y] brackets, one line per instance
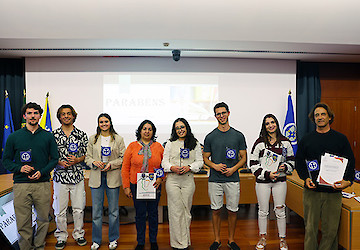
[349, 230]
[247, 191]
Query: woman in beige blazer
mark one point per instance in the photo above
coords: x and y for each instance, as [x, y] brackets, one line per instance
[104, 156]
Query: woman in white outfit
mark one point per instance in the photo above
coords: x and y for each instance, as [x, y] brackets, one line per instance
[182, 157]
[271, 159]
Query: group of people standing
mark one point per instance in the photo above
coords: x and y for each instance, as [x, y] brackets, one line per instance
[31, 153]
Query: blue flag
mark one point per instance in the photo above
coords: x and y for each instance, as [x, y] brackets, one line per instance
[289, 129]
[45, 122]
[8, 121]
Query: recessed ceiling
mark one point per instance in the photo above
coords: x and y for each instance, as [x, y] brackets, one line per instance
[304, 30]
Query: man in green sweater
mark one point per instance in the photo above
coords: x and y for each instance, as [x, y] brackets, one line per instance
[31, 154]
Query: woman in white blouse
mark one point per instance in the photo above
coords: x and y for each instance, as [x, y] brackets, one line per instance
[182, 157]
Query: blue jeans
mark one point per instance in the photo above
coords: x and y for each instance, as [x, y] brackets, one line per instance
[141, 207]
[97, 196]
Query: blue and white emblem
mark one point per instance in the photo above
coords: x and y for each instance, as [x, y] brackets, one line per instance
[25, 156]
[105, 151]
[73, 147]
[357, 175]
[159, 172]
[184, 153]
[313, 165]
[230, 153]
[284, 152]
[290, 132]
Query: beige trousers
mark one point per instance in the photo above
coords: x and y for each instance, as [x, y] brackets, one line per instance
[180, 190]
[26, 195]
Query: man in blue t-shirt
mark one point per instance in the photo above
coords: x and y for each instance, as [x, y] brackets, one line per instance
[227, 149]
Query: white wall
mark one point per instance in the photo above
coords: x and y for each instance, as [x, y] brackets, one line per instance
[252, 88]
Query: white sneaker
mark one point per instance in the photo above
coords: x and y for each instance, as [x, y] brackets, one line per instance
[261, 244]
[113, 245]
[95, 246]
[283, 244]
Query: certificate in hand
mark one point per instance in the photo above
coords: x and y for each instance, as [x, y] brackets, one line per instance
[332, 169]
[145, 186]
[270, 161]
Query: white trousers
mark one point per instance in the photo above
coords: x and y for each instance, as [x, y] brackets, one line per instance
[60, 205]
[263, 191]
[180, 190]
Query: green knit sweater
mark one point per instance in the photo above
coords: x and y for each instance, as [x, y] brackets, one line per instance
[44, 153]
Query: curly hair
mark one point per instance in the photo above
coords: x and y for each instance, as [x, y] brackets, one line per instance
[66, 106]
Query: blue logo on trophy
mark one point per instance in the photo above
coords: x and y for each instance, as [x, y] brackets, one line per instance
[151, 176]
[73, 147]
[230, 153]
[25, 156]
[184, 153]
[357, 175]
[313, 165]
[105, 151]
[159, 172]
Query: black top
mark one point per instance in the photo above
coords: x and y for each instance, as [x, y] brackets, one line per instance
[314, 145]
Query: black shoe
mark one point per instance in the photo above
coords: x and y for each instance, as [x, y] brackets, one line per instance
[140, 247]
[81, 241]
[215, 246]
[60, 245]
[154, 246]
[233, 246]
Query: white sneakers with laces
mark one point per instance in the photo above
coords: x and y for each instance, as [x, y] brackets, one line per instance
[113, 245]
[283, 244]
[261, 244]
[94, 246]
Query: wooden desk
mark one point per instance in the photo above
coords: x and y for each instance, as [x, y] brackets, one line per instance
[6, 184]
[349, 230]
[247, 191]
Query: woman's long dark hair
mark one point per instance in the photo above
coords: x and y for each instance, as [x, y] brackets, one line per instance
[190, 140]
[142, 124]
[264, 134]
[111, 130]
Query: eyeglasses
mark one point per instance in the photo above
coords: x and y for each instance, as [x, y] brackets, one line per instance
[181, 127]
[221, 114]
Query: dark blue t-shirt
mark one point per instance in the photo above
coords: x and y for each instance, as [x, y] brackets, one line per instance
[224, 148]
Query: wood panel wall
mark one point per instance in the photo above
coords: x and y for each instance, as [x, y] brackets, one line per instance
[340, 88]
